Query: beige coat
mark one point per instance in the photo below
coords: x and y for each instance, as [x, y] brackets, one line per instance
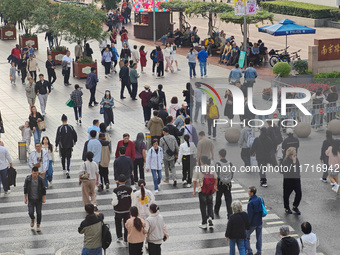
[155, 125]
[78, 51]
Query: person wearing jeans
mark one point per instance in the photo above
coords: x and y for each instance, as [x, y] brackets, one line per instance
[198, 101]
[154, 160]
[121, 204]
[243, 143]
[235, 234]
[76, 96]
[4, 158]
[43, 89]
[202, 58]
[191, 56]
[66, 64]
[35, 195]
[254, 210]
[205, 200]
[106, 60]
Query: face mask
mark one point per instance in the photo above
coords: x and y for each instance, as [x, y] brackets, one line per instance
[107, 93]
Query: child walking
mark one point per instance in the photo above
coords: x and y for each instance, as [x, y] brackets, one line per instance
[26, 134]
[12, 71]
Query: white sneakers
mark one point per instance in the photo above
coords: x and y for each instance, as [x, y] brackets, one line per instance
[203, 226]
[210, 223]
[156, 191]
[336, 188]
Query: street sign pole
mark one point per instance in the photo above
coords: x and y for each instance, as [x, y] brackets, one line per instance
[245, 39]
[154, 22]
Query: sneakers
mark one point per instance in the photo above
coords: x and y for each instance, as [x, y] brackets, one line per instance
[206, 76]
[100, 189]
[96, 103]
[156, 191]
[288, 211]
[203, 226]
[323, 180]
[210, 223]
[335, 188]
[120, 239]
[296, 210]
[68, 175]
[32, 223]
[107, 186]
[38, 228]
[263, 183]
[175, 183]
[158, 77]
[7, 192]
[188, 185]
[80, 122]
[184, 182]
[166, 181]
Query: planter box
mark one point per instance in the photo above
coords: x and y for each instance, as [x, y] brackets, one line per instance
[295, 79]
[23, 41]
[82, 70]
[8, 33]
[57, 56]
[302, 20]
[266, 97]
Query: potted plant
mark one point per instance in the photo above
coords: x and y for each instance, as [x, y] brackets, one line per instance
[57, 53]
[84, 24]
[82, 67]
[26, 39]
[8, 32]
[19, 11]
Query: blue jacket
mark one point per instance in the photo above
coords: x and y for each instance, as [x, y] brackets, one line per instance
[115, 54]
[202, 56]
[250, 74]
[255, 211]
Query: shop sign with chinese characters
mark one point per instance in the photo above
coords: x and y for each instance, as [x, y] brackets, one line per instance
[328, 49]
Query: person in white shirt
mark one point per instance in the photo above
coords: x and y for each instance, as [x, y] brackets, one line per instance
[102, 45]
[142, 199]
[135, 54]
[39, 158]
[4, 158]
[174, 56]
[187, 156]
[48, 148]
[309, 241]
[66, 67]
[167, 56]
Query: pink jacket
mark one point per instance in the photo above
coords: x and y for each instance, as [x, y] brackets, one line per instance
[334, 161]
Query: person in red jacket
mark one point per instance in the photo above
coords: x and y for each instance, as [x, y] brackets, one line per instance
[146, 95]
[16, 55]
[130, 149]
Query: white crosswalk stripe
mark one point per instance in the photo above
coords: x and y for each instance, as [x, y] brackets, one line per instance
[64, 211]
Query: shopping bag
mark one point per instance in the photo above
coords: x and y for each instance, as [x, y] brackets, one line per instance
[70, 103]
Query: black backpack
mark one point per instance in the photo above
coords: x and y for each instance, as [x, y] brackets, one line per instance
[106, 237]
[153, 55]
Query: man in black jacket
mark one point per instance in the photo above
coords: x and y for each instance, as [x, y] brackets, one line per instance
[287, 245]
[124, 78]
[262, 147]
[162, 113]
[35, 195]
[290, 141]
[66, 138]
[42, 89]
[123, 165]
[50, 66]
[173, 130]
[122, 197]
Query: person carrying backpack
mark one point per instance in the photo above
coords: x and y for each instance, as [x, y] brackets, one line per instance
[206, 182]
[224, 177]
[153, 56]
[245, 142]
[212, 111]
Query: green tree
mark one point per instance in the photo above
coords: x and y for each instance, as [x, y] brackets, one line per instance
[20, 11]
[110, 4]
[84, 23]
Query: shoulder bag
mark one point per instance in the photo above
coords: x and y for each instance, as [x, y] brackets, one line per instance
[169, 151]
[41, 125]
[84, 176]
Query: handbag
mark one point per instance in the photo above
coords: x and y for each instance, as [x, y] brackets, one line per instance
[101, 111]
[70, 103]
[84, 176]
[264, 210]
[169, 151]
[42, 125]
[155, 99]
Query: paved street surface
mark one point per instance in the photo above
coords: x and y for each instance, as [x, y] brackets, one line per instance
[63, 210]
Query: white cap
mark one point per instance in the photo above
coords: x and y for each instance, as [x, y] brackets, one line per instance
[289, 131]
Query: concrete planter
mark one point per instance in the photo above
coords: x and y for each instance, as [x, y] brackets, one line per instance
[302, 20]
[8, 33]
[82, 70]
[57, 56]
[23, 41]
[295, 79]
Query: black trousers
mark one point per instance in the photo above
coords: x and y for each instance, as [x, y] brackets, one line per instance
[206, 206]
[154, 64]
[51, 74]
[134, 90]
[66, 153]
[245, 155]
[147, 113]
[104, 175]
[226, 191]
[138, 164]
[136, 248]
[290, 185]
[23, 75]
[34, 75]
[124, 83]
[160, 69]
[188, 163]
[154, 249]
[107, 66]
[67, 75]
[119, 217]
[211, 125]
[92, 97]
[37, 204]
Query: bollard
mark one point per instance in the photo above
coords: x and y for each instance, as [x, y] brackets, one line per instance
[148, 140]
[22, 151]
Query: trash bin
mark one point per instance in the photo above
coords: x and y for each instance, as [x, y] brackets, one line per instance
[22, 151]
[148, 140]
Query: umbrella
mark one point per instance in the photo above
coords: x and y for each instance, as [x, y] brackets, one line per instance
[286, 27]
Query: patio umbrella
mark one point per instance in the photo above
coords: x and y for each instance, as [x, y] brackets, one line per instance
[286, 27]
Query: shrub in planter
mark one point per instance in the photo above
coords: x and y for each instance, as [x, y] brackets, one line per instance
[57, 53]
[300, 66]
[332, 78]
[282, 69]
[28, 38]
[312, 87]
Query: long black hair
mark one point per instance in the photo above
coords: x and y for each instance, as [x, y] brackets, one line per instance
[102, 127]
[187, 138]
[137, 223]
[139, 141]
[141, 48]
[141, 184]
[50, 146]
[154, 208]
[335, 147]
